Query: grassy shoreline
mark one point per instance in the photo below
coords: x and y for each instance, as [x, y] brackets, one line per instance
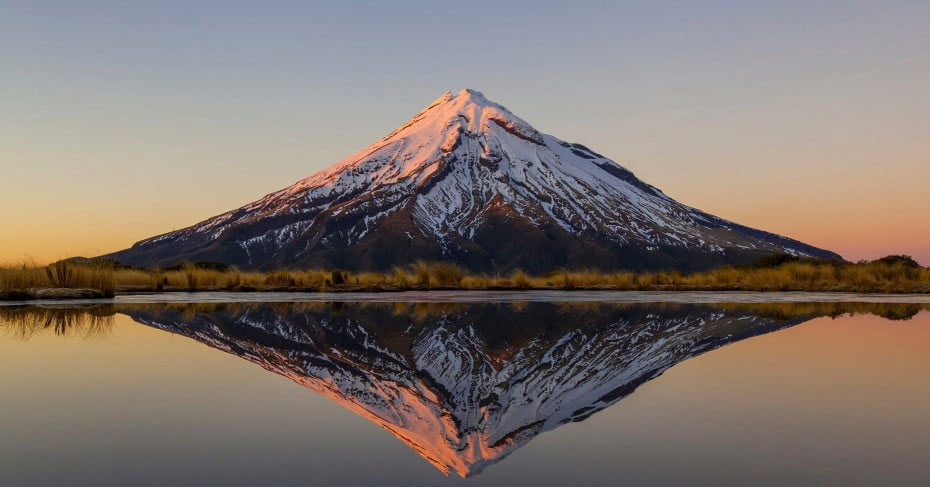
[892, 274]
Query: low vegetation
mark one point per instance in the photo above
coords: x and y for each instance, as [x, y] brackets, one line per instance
[892, 274]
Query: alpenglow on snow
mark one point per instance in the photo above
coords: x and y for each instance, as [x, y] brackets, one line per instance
[467, 181]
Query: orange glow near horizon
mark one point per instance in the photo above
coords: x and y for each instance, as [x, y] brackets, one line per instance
[890, 221]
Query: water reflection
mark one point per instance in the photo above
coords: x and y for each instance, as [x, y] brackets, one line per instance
[88, 322]
[463, 385]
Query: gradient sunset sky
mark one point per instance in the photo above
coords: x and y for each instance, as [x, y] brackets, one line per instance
[123, 120]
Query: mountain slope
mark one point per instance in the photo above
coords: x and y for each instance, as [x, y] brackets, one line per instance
[466, 180]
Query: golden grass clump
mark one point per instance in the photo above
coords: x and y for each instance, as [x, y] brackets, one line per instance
[446, 274]
[421, 271]
[520, 280]
[233, 279]
[479, 281]
[24, 275]
[400, 278]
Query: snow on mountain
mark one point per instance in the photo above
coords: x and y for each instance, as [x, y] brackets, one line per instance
[467, 180]
[456, 386]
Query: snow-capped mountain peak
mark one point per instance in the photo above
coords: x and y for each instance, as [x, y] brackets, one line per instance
[417, 145]
[467, 180]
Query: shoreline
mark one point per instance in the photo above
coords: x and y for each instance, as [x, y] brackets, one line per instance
[53, 293]
[665, 293]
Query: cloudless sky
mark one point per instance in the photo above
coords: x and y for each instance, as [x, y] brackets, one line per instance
[122, 120]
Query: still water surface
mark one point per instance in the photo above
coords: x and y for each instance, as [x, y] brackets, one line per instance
[503, 393]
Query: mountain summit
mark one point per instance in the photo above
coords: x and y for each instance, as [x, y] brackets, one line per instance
[466, 180]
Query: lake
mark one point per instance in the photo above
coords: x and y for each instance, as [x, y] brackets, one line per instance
[467, 388]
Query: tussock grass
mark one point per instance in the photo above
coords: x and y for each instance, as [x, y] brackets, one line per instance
[27, 275]
[24, 275]
[892, 274]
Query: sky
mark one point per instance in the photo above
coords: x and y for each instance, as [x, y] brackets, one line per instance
[123, 120]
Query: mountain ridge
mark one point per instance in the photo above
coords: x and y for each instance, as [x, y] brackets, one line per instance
[466, 180]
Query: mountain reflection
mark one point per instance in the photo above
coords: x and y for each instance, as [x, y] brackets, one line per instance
[466, 385]
[463, 385]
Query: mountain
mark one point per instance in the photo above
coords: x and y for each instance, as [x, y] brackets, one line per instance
[466, 180]
[450, 381]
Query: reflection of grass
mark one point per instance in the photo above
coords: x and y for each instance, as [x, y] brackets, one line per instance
[892, 274]
[23, 323]
[96, 322]
[791, 311]
[566, 310]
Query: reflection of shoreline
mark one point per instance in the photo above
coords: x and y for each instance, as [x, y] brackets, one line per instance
[93, 320]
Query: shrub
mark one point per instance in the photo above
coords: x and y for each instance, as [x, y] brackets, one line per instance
[773, 260]
[902, 260]
[446, 274]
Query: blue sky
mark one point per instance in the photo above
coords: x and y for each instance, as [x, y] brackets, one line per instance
[804, 118]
